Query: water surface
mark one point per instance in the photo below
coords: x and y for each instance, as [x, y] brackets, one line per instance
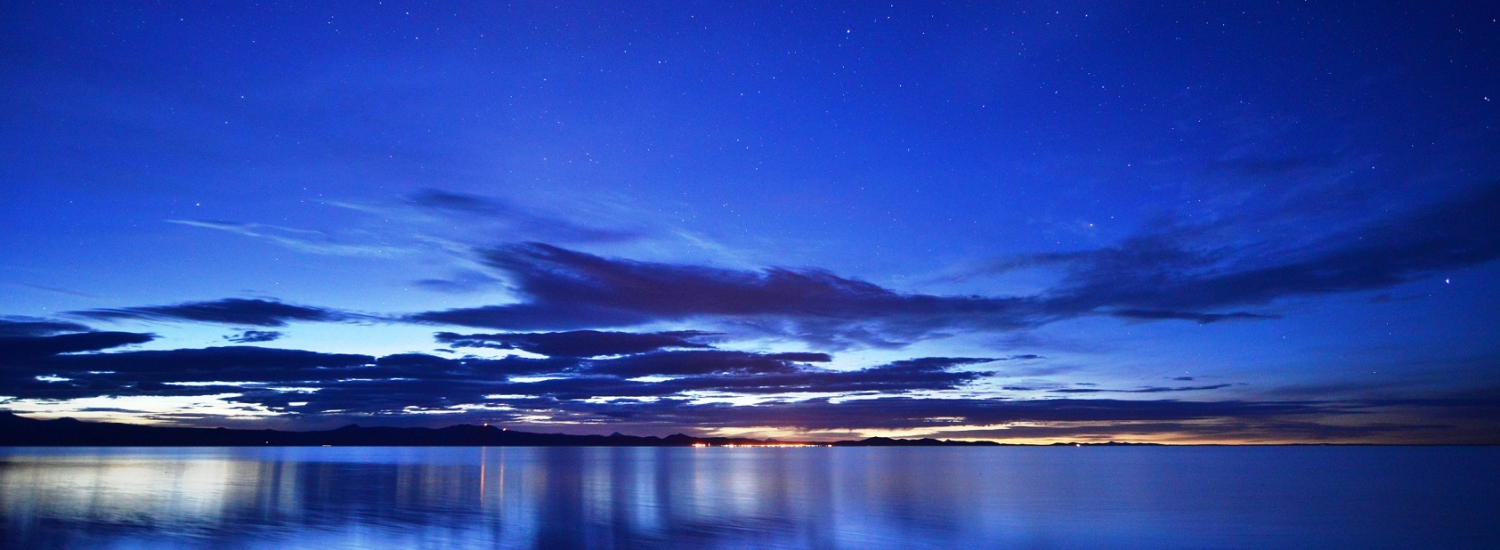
[559, 498]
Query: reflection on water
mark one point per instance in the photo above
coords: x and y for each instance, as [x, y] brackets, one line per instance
[558, 498]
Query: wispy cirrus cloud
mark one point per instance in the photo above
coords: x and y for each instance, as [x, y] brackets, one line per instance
[303, 240]
[531, 222]
[443, 226]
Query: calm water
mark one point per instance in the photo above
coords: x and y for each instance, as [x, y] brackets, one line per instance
[555, 498]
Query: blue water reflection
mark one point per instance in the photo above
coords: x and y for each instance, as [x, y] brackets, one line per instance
[559, 498]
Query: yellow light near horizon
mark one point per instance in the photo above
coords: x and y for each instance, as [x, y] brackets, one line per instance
[764, 445]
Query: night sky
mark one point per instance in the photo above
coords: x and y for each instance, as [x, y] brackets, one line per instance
[1029, 222]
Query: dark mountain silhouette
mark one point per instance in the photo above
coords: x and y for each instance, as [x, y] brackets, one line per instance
[19, 431]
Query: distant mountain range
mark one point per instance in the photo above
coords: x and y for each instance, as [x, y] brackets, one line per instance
[18, 431]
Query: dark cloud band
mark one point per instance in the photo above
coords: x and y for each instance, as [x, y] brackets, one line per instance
[229, 311]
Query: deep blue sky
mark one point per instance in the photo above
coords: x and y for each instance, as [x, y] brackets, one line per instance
[1182, 221]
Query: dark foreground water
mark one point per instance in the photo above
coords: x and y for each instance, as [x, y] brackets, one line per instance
[558, 498]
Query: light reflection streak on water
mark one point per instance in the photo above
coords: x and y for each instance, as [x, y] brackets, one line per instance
[747, 498]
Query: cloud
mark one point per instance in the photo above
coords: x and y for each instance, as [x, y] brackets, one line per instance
[25, 326]
[461, 282]
[919, 413]
[16, 348]
[229, 311]
[611, 379]
[524, 220]
[566, 289]
[1149, 389]
[364, 383]
[56, 290]
[253, 336]
[1159, 274]
[692, 363]
[908, 412]
[26, 340]
[228, 363]
[207, 371]
[801, 357]
[1479, 403]
[315, 385]
[578, 343]
[301, 240]
[1173, 273]
[1200, 318]
[1177, 273]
